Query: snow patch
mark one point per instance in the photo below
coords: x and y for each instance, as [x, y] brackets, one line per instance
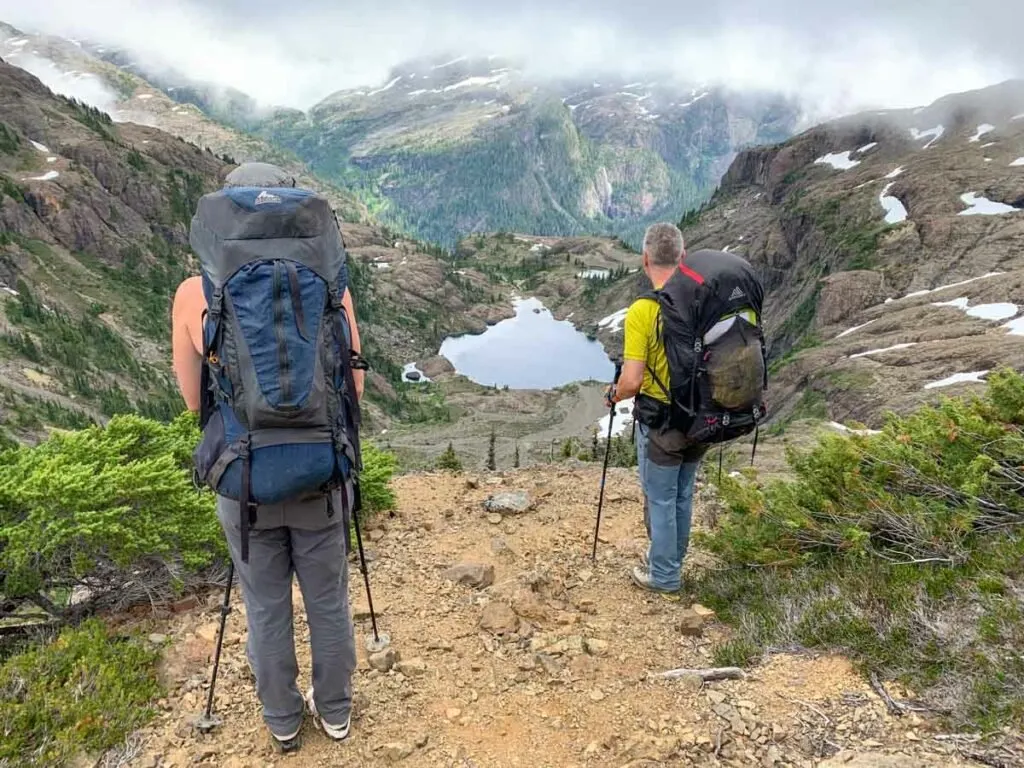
[843, 428]
[883, 349]
[418, 92]
[622, 419]
[893, 174]
[998, 311]
[895, 211]
[957, 378]
[990, 144]
[935, 132]
[1016, 326]
[1018, 117]
[381, 265]
[960, 303]
[386, 87]
[614, 321]
[48, 176]
[951, 285]
[868, 147]
[982, 130]
[40, 147]
[472, 81]
[982, 206]
[855, 328]
[1018, 162]
[411, 368]
[839, 160]
[449, 63]
[51, 159]
[17, 43]
[144, 96]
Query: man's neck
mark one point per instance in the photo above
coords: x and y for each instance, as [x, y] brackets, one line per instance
[660, 275]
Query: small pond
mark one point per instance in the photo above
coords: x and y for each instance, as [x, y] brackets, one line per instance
[529, 351]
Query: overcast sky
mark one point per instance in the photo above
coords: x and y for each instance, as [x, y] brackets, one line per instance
[839, 56]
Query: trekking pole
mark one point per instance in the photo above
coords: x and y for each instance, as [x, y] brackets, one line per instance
[604, 472]
[207, 722]
[378, 643]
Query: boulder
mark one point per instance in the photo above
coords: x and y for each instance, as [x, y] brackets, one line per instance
[844, 294]
[508, 502]
[477, 575]
[499, 619]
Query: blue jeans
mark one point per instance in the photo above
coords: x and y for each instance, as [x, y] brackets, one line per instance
[669, 494]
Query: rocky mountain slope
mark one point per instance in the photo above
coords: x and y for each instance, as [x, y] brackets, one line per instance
[446, 148]
[517, 656]
[93, 241]
[859, 225]
[94, 218]
[476, 146]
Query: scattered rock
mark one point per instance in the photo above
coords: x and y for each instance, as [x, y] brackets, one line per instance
[453, 713]
[396, 751]
[208, 633]
[185, 604]
[412, 667]
[494, 518]
[596, 647]
[510, 502]
[849, 759]
[361, 611]
[472, 482]
[477, 575]
[690, 623]
[704, 612]
[384, 660]
[499, 619]
[690, 683]
[157, 639]
[597, 695]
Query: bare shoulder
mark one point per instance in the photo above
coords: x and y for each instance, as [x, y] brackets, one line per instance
[190, 293]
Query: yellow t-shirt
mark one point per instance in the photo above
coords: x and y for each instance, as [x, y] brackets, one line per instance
[642, 343]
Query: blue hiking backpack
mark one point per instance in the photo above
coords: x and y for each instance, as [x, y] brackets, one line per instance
[279, 413]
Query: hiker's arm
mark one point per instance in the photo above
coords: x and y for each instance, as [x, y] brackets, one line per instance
[630, 380]
[350, 309]
[187, 360]
[634, 353]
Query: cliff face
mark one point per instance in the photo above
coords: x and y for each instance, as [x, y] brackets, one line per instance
[858, 222]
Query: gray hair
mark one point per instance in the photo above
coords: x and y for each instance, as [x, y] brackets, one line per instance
[663, 244]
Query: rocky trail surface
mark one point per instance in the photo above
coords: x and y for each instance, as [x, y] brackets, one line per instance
[509, 647]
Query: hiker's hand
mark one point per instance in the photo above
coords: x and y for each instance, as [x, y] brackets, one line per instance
[609, 393]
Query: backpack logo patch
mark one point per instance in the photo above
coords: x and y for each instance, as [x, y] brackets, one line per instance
[737, 293]
[265, 197]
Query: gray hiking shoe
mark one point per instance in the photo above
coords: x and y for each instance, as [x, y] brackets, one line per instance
[286, 744]
[641, 577]
[336, 732]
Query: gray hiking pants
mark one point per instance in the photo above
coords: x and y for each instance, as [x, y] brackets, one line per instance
[312, 546]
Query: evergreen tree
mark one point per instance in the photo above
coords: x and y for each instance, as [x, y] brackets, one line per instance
[449, 460]
[515, 458]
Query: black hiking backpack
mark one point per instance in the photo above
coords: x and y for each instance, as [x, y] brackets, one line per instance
[716, 352]
[279, 413]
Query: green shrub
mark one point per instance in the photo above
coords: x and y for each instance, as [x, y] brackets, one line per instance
[83, 692]
[904, 549]
[374, 480]
[112, 508]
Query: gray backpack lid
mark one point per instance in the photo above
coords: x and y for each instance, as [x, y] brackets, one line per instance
[259, 175]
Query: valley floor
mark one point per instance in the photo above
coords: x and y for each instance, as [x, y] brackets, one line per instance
[567, 686]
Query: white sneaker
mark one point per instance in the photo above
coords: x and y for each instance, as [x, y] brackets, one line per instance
[336, 732]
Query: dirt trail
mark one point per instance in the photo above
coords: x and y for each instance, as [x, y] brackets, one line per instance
[567, 686]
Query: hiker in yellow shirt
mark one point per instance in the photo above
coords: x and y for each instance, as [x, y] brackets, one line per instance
[667, 460]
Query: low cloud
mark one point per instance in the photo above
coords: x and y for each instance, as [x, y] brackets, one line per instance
[835, 57]
[85, 87]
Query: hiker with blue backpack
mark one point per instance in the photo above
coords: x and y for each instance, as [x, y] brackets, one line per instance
[265, 346]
